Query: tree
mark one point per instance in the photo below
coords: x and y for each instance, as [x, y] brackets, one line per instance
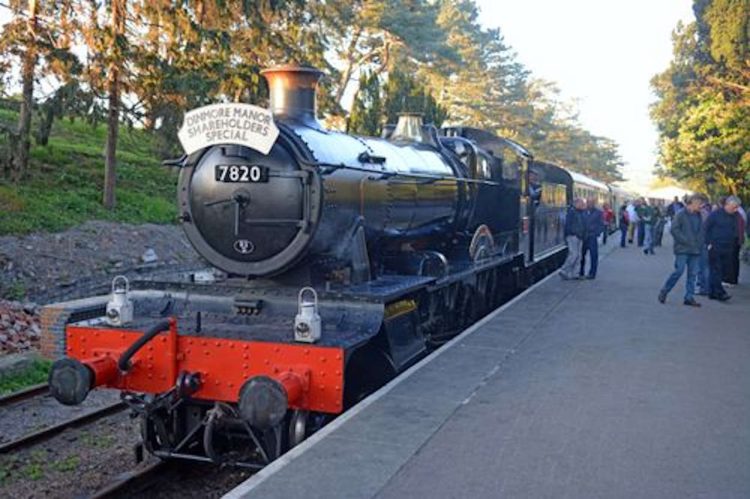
[703, 108]
[20, 38]
[37, 42]
[118, 47]
[21, 157]
[104, 33]
[371, 35]
[366, 117]
[405, 93]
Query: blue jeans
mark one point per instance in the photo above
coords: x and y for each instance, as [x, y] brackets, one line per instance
[648, 239]
[682, 260]
[590, 246]
[623, 235]
[703, 282]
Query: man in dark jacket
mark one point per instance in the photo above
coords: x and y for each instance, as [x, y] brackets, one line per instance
[574, 233]
[721, 238]
[593, 219]
[688, 241]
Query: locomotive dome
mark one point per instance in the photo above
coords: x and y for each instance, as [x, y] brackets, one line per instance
[250, 213]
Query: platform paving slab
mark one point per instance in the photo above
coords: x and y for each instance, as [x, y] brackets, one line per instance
[578, 389]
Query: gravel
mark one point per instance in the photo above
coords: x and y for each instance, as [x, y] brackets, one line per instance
[74, 464]
[31, 415]
[45, 267]
[206, 481]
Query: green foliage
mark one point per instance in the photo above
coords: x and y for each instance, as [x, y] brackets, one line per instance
[33, 471]
[64, 184]
[69, 463]
[34, 375]
[14, 290]
[366, 117]
[725, 27]
[405, 93]
[703, 111]
[376, 104]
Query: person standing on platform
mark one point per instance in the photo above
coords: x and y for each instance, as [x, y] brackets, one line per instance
[574, 233]
[609, 217]
[660, 221]
[732, 274]
[646, 217]
[594, 225]
[641, 209]
[624, 225]
[688, 242]
[703, 269]
[721, 238]
[632, 219]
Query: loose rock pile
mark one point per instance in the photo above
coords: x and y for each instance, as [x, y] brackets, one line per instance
[19, 327]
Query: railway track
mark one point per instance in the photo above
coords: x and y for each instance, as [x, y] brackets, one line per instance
[26, 393]
[134, 481]
[48, 432]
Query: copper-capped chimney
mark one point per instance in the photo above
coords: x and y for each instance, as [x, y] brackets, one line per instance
[292, 92]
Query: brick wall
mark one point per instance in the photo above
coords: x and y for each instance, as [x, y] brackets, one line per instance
[56, 316]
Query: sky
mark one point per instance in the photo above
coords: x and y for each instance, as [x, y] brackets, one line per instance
[601, 53]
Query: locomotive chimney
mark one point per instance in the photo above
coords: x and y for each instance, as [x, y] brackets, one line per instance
[292, 92]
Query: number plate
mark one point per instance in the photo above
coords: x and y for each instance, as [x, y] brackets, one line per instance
[241, 173]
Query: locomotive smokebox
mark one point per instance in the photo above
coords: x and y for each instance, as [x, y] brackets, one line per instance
[292, 92]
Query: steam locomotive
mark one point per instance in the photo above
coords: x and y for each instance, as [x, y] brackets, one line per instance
[346, 259]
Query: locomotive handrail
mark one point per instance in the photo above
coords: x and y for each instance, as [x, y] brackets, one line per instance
[433, 178]
[175, 162]
[150, 333]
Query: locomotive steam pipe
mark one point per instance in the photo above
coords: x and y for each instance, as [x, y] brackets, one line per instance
[123, 364]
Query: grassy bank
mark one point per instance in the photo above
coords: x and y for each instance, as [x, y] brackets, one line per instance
[34, 375]
[64, 184]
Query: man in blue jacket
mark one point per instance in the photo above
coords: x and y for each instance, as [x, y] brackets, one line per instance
[688, 243]
[593, 219]
[721, 238]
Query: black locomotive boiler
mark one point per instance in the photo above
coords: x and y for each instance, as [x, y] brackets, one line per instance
[346, 260]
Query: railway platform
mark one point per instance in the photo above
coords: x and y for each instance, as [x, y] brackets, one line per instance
[574, 389]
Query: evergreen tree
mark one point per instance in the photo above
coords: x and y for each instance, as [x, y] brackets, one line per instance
[371, 35]
[405, 93]
[367, 111]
